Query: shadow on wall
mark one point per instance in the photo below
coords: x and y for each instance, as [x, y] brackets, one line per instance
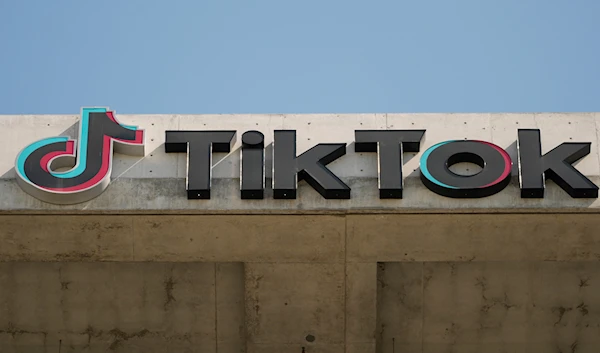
[10, 174]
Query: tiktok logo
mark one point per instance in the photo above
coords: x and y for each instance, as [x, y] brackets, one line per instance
[89, 159]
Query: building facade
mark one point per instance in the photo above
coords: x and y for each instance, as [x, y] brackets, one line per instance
[356, 233]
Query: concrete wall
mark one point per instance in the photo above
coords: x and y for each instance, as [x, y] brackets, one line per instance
[275, 283]
[488, 307]
[121, 307]
[156, 183]
[143, 269]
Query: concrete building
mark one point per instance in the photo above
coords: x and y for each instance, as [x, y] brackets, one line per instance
[134, 263]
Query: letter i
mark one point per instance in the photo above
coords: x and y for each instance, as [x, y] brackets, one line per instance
[252, 165]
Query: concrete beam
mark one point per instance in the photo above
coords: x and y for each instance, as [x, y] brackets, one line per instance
[156, 182]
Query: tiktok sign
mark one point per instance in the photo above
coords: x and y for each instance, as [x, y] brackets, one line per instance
[390, 146]
[89, 159]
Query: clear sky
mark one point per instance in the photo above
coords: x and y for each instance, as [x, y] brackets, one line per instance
[308, 56]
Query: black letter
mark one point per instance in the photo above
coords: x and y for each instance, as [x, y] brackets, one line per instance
[252, 172]
[199, 146]
[555, 165]
[390, 146]
[437, 177]
[310, 166]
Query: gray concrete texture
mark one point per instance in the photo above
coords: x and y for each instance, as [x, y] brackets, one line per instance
[143, 269]
[121, 307]
[156, 182]
[423, 283]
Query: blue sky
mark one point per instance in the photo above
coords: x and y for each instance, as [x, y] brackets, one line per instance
[310, 56]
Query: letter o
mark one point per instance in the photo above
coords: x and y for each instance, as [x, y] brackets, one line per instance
[495, 175]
